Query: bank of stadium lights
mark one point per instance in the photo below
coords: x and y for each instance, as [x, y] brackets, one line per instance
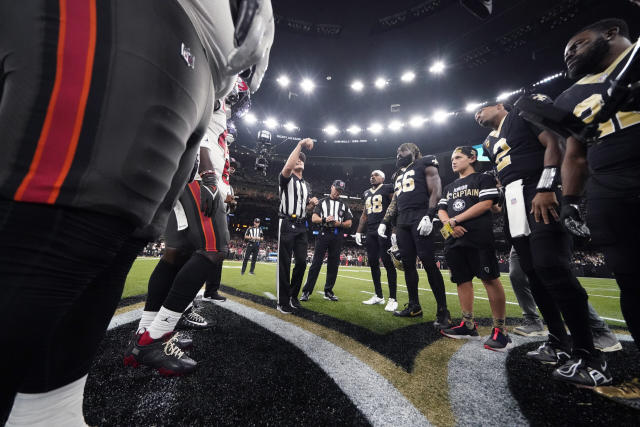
[354, 129]
[375, 128]
[290, 126]
[408, 76]
[283, 81]
[472, 107]
[270, 123]
[416, 121]
[307, 85]
[440, 116]
[330, 129]
[506, 95]
[548, 79]
[437, 67]
[250, 118]
[357, 86]
[380, 83]
[395, 125]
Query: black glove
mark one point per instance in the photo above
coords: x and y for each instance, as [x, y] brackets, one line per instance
[208, 192]
[571, 219]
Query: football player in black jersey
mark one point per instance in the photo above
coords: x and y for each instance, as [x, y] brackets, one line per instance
[526, 160]
[417, 192]
[465, 209]
[596, 55]
[376, 202]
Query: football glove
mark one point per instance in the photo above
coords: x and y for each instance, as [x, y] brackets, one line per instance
[571, 219]
[359, 239]
[425, 226]
[208, 192]
[382, 230]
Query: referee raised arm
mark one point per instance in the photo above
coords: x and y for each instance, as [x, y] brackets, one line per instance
[292, 232]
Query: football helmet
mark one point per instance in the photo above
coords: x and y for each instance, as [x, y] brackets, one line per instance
[394, 252]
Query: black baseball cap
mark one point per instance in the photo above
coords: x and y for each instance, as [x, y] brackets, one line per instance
[466, 150]
[256, 220]
[339, 184]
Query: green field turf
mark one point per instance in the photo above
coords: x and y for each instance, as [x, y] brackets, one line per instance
[354, 286]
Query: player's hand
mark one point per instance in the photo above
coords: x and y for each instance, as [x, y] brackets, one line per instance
[573, 222]
[229, 198]
[359, 239]
[306, 143]
[208, 192]
[458, 231]
[313, 201]
[425, 226]
[394, 239]
[544, 206]
[382, 230]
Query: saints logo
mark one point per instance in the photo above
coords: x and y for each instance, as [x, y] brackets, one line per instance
[458, 205]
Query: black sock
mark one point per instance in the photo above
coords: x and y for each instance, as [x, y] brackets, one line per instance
[188, 282]
[160, 283]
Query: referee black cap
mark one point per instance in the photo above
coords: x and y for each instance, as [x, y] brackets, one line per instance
[256, 220]
[339, 185]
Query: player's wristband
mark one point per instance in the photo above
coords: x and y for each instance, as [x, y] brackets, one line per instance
[548, 179]
[571, 200]
[431, 213]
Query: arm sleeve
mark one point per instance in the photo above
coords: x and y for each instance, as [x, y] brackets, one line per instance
[283, 181]
[488, 189]
[347, 213]
[443, 203]
[318, 208]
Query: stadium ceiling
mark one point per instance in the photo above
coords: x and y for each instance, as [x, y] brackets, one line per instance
[334, 43]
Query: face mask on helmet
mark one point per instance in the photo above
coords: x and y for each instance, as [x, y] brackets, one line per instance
[239, 100]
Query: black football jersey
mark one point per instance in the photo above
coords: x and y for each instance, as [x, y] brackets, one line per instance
[615, 160]
[515, 150]
[410, 188]
[376, 202]
[459, 196]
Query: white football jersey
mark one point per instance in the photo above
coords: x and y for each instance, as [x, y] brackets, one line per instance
[215, 141]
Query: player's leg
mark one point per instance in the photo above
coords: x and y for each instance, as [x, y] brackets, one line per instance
[425, 251]
[462, 276]
[532, 325]
[373, 249]
[245, 258]
[254, 258]
[322, 243]
[408, 253]
[283, 276]
[392, 275]
[300, 257]
[213, 285]
[333, 261]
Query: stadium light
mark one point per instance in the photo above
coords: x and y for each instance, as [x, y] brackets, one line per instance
[472, 107]
[395, 125]
[283, 81]
[307, 85]
[290, 126]
[357, 86]
[330, 130]
[505, 95]
[380, 82]
[250, 118]
[354, 129]
[440, 116]
[416, 121]
[375, 128]
[271, 123]
[408, 76]
[437, 67]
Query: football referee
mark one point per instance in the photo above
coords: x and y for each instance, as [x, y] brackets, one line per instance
[335, 217]
[254, 236]
[292, 232]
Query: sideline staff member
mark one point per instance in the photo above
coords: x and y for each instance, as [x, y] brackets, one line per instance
[335, 217]
[292, 227]
[254, 236]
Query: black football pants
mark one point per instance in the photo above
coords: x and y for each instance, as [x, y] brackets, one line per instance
[331, 243]
[292, 241]
[250, 252]
[377, 249]
[62, 273]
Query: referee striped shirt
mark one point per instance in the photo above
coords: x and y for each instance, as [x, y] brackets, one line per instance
[294, 196]
[336, 208]
[253, 232]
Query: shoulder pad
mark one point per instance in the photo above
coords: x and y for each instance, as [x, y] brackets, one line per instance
[429, 160]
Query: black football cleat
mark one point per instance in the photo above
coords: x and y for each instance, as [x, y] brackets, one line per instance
[285, 309]
[551, 352]
[191, 319]
[295, 304]
[213, 296]
[461, 332]
[330, 296]
[443, 319]
[410, 310]
[498, 341]
[182, 341]
[162, 354]
[305, 296]
[584, 370]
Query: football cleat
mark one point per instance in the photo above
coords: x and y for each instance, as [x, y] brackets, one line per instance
[443, 319]
[392, 305]
[213, 296]
[305, 296]
[530, 328]
[551, 352]
[374, 300]
[182, 341]
[627, 393]
[410, 310]
[294, 303]
[498, 341]
[461, 332]
[191, 319]
[584, 370]
[330, 296]
[162, 354]
[285, 309]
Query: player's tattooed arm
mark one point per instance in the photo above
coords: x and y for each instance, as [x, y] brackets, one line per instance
[392, 211]
[363, 221]
[432, 179]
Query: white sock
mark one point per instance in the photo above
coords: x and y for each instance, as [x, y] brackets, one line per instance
[146, 319]
[165, 321]
[59, 407]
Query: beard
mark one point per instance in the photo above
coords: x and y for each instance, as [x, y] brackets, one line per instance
[403, 161]
[587, 62]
